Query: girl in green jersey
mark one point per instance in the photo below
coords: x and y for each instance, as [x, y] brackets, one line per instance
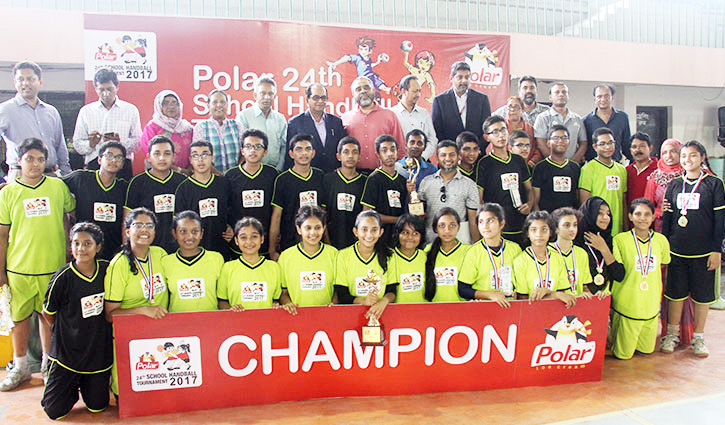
[445, 258]
[409, 258]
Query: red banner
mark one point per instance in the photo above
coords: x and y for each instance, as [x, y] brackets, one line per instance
[195, 361]
[192, 56]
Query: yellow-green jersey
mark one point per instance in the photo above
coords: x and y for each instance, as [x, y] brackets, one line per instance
[526, 273]
[310, 279]
[638, 297]
[36, 240]
[478, 267]
[134, 289]
[411, 276]
[250, 285]
[576, 262]
[447, 268]
[609, 182]
[193, 281]
[360, 276]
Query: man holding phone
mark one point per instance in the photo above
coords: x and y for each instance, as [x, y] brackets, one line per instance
[107, 119]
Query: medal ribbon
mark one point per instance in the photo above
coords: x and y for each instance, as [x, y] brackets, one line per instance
[573, 264]
[644, 267]
[497, 281]
[694, 188]
[600, 265]
[148, 278]
[538, 267]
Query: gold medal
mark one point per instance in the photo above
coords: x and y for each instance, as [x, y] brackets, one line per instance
[599, 280]
[644, 286]
[682, 221]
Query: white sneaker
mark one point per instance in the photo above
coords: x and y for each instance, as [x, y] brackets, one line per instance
[698, 346]
[669, 343]
[14, 378]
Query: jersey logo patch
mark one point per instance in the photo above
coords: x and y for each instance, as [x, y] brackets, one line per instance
[562, 184]
[103, 211]
[692, 200]
[446, 276]
[612, 182]
[164, 203]
[308, 198]
[254, 291]
[190, 289]
[92, 305]
[37, 207]
[411, 282]
[312, 281]
[159, 286]
[252, 198]
[510, 181]
[345, 202]
[208, 207]
[394, 199]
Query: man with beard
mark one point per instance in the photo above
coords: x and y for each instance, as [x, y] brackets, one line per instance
[448, 187]
[367, 121]
[460, 108]
[413, 117]
[559, 113]
[604, 115]
[527, 93]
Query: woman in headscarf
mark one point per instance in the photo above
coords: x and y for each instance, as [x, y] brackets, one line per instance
[167, 121]
[668, 169]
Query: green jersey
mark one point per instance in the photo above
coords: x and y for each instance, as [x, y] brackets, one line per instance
[447, 268]
[36, 242]
[310, 279]
[577, 268]
[411, 276]
[527, 277]
[134, 289]
[251, 285]
[360, 276]
[609, 182]
[639, 296]
[193, 281]
[492, 272]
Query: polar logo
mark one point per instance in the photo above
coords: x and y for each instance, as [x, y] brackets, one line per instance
[565, 344]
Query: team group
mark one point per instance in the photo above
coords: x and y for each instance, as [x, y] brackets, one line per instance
[183, 236]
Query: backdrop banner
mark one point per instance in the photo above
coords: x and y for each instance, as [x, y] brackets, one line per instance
[209, 360]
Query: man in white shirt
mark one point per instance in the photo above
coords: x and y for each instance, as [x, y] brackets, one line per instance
[413, 117]
[261, 116]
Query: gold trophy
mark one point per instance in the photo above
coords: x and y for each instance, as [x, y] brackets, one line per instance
[372, 332]
[415, 206]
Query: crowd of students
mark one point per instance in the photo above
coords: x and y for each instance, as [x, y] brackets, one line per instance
[258, 238]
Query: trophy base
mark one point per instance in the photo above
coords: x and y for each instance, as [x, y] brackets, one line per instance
[416, 208]
[373, 336]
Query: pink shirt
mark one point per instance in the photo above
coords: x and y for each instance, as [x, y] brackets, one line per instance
[367, 127]
[181, 142]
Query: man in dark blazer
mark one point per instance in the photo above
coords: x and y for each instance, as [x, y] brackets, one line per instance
[460, 108]
[316, 122]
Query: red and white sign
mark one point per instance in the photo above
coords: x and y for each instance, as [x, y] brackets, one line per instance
[266, 356]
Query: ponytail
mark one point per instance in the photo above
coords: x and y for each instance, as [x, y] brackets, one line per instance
[430, 263]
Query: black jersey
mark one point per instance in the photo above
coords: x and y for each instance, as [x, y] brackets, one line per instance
[496, 177]
[292, 191]
[101, 205]
[705, 227]
[209, 200]
[341, 197]
[387, 195]
[472, 174]
[251, 196]
[158, 195]
[558, 184]
[81, 339]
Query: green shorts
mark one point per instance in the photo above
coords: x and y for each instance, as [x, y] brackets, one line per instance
[629, 335]
[27, 294]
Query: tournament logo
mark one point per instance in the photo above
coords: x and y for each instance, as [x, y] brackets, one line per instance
[165, 363]
[483, 61]
[565, 346]
[147, 361]
[131, 55]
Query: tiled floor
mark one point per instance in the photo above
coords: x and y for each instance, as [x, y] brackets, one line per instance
[655, 390]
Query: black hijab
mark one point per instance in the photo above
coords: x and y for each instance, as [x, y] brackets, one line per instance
[590, 211]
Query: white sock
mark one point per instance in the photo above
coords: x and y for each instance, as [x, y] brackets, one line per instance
[698, 335]
[44, 361]
[673, 329]
[21, 362]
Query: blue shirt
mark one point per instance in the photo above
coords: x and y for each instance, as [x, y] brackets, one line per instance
[426, 169]
[619, 124]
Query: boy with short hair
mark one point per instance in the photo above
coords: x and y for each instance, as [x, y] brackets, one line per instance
[100, 195]
[207, 195]
[296, 187]
[155, 189]
[32, 249]
[520, 144]
[251, 186]
[470, 152]
[342, 191]
[606, 178]
[386, 191]
[556, 179]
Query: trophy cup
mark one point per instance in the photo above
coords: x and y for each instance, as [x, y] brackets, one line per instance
[415, 206]
[372, 332]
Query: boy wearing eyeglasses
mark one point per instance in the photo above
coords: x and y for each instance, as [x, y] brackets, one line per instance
[556, 179]
[504, 178]
[101, 194]
[606, 178]
[207, 195]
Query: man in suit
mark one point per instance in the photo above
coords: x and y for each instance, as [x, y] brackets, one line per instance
[326, 129]
[460, 108]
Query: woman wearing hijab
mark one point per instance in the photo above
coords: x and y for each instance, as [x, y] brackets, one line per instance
[595, 236]
[167, 121]
[668, 169]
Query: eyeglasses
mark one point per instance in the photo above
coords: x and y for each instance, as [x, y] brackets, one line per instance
[111, 157]
[498, 131]
[257, 146]
[198, 156]
[514, 107]
[443, 194]
[558, 138]
[522, 146]
[317, 98]
[137, 225]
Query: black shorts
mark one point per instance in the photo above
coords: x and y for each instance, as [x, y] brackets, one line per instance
[61, 391]
[690, 277]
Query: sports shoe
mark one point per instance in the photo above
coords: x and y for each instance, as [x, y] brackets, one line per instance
[698, 346]
[669, 343]
[14, 378]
